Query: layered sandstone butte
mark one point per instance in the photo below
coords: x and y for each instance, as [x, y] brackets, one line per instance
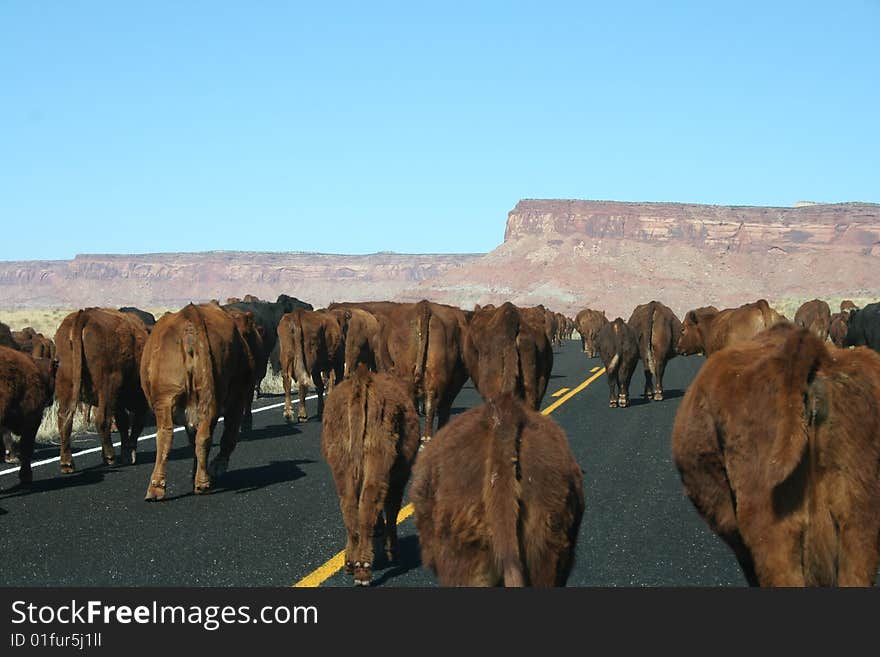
[174, 279]
[571, 254]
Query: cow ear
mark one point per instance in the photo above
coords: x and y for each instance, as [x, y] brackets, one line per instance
[692, 316]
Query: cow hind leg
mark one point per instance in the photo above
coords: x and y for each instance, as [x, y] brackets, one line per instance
[129, 454]
[302, 414]
[612, 385]
[430, 412]
[649, 384]
[164, 435]
[65, 428]
[204, 434]
[319, 390]
[102, 422]
[371, 501]
[26, 453]
[10, 449]
[392, 509]
[658, 380]
[288, 405]
[123, 426]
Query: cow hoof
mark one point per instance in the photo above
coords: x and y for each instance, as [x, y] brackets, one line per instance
[12, 460]
[623, 403]
[612, 403]
[218, 467]
[363, 573]
[68, 468]
[348, 567]
[202, 489]
[129, 456]
[302, 418]
[155, 491]
[111, 460]
[658, 396]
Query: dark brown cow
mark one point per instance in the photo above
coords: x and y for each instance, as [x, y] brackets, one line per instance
[657, 330]
[619, 350]
[27, 386]
[253, 337]
[369, 437]
[361, 339]
[6, 339]
[505, 354]
[99, 350]
[588, 323]
[815, 316]
[33, 343]
[847, 306]
[195, 367]
[147, 318]
[706, 330]
[311, 348]
[838, 328]
[777, 442]
[421, 344]
[498, 499]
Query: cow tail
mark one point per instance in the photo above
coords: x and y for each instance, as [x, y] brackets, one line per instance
[357, 422]
[802, 410]
[650, 358]
[612, 366]
[77, 356]
[502, 492]
[423, 323]
[198, 362]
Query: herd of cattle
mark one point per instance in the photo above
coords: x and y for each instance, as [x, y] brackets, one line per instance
[777, 440]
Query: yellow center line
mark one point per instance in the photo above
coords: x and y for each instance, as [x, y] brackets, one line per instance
[322, 574]
[561, 391]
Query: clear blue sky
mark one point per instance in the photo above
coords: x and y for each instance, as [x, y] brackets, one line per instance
[356, 127]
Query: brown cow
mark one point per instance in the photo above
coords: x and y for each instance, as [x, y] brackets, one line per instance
[657, 330]
[588, 323]
[814, 315]
[777, 442]
[253, 336]
[838, 328]
[619, 349]
[847, 306]
[706, 330]
[27, 386]
[100, 353]
[498, 499]
[505, 354]
[6, 338]
[33, 343]
[422, 345]
[369, 437]
[196, 365]
[311, 348]
[361, 339]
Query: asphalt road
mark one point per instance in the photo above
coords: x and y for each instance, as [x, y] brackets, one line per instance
[274, 517]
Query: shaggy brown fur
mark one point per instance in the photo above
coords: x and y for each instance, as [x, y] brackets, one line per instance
[99, 350]
[421, 344]
[619, 350]
[505, 354]
[312, 351]
[361, 339]
[27, 386]
[657, 330]
[498, 499]
[369, 437]
[196, 366]
[253, 337]
[814, 315]
[588, 323]
[777, 442]
[706, 330]
[838, 328]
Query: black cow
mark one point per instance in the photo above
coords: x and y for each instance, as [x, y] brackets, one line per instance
[864, 328]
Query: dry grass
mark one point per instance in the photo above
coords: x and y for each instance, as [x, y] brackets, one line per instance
[788, 306]
[47, 320]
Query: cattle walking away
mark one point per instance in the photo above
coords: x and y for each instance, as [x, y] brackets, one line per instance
[588, 323]
[498, 499]
[506, 354]
[312, 352]
[706, 330]
[777, 442]
[369, 437]
[657, 330]
[99, 350]
[815, 316]
[838, 327]
[619, 350]
[195, 367]
[27, 386]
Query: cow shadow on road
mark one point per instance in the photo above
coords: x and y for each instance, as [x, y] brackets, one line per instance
[270, 431]
[85, 477]
[246, 480]
[408, 558]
